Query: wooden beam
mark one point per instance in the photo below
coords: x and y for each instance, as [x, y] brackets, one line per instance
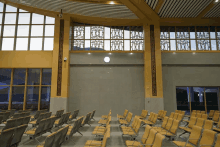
[189, 22]
[136, 11]
[159, 5]
[149, 13]
[209, 7]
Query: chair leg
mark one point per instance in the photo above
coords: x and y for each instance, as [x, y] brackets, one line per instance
[183, 133]
[80, 133]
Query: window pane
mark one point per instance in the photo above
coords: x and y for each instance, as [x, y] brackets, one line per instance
[212, 32]
[19, 76]
[10, 9]
[5, 76]
[4, 92]
[24, 18]
[107, 32]
[17, 97]
[107, 45]
[49, 30]
[8, 44]
[197, 98]
[22, 44]
[87, 32]
[211, 98]
[1, 6]
[193, 45]
[127, 45]
[23, 30]
[46, 76]
[45, 97]
[21, 10]
[192, 33]
[33, 77]
[172, 33]
[37, 19]
[10, 18]
[0, 18]
[50, 20]
[87, 45]
[9, 30]
[36, 44]
[173, 45]
[213, 44]
[37, 30]
[127, 34]
[0, 30]
[182, 99]
[48, 44]
[32, 98]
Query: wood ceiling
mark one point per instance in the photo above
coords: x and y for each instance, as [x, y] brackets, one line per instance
[177, 12]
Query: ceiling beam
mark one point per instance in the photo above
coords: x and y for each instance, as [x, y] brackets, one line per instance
[146, 10]
[209, 7]
[136, 11]
[159, 5]
[189, 22]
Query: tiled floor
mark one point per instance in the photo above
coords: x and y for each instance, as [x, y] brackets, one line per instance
[116, 139]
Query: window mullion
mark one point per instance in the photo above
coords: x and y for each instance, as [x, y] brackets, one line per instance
[16, 29]
[39, 98]
[3, 22]
[29, 38]
[25, 90]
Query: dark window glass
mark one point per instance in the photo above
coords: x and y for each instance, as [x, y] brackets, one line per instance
[4, 97]
[33, 76]
[19, 76]
[197, 98]
[211, 98]
[32, 97]
[5, 76]
[45, 97]
[17, 97]
[46, 77]
[182, 98]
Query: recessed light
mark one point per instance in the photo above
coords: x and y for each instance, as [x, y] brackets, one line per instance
[216, 1]
[89, 53]
[107, 59]
[112, 2]
[131, 53]
[194, 53]
[174, 52]
[109, 53]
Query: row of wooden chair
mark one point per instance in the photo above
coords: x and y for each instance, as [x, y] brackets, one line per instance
[127, 120]
[152, 119]
[44, 126]
[105, 119]
[75, 128]
[176, 116]
[58, 114]
[4, 116]
[74, 115]
[23, 114]
[37, 114]
[63, 120]
[200, 137]
[12, 137]
[161, 114]
[150, 138]
[56, 138]
[143, 115]
[122, 116]
[180, 112]
[212, 112]
[12, 111]
[11, 123]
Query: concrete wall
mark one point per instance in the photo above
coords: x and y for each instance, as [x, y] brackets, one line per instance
[187, 69]
[117, 85]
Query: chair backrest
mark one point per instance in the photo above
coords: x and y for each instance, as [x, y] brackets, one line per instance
[158, 140]
[194, 111]
[129, 117]
[200, 122]
[217, 142]
[125, 113]
[192, 122]
[208, 124]
[106, 136]
[155, 118]
[152, 118]
[180, 117]
[19, 121]
[93, 113]
[144, 113]
[195, 135]
[26, 120]
[164, 113]
[151, 136]
[171, 115]
[64, 132]
[198, 111]
[52, 121]
[18, 133]
[40, 117]
[37, 114]
[47, 124]
[57, 138]
[175, 126]
[211, 113]
[175, 115]
[216, 116]
[204, 116]
[40, 127]
[164, 122]
[151, 115]
[10, 124]
[137, 127]
[176, 111]
[160, 113]
[169, 124]
[146, 133]
[203, 112]
[183, 113]
[49, 140]
[6, 136]
[198, 115]
[208, 137]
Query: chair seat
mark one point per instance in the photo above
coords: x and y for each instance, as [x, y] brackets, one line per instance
[57, 122]
[146, 121]
[104, 116]
[33, 122]
[93, 142]
[120, 116]
[128, 132]
[182, 144]
[170, 134]
[133, 143]
[216, 129]
[187, 129]
[30, 132]
[98, 132]
[41, 145]
[99, 127]
[102, 121]
[123, 121]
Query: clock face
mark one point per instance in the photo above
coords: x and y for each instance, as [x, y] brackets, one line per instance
[107, 59]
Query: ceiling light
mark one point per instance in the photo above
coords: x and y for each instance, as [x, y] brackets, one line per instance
[89, 53]
[107, 59]
[131, 53]
[112, 2]
[110, 53]
[194, 53]
[216, 1]
[174, 52]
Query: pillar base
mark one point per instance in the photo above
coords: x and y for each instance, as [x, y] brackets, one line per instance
[154, 104]
[58, 103]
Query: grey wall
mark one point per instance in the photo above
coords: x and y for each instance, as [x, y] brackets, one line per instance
[117, 85]
[187, 69]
